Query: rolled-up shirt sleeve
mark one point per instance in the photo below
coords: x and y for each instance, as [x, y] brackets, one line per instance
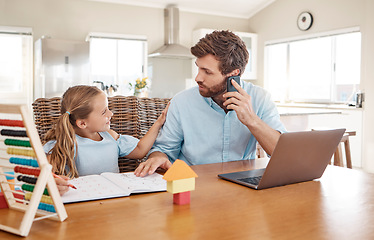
[268, 112]
[126, 144]
[48, 146]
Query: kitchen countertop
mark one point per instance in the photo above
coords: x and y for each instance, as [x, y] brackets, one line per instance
[297, 111]
[318, 106]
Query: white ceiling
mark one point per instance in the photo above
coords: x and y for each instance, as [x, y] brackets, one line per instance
[229, 8]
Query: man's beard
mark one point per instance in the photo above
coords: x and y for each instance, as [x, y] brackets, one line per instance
[214, 90]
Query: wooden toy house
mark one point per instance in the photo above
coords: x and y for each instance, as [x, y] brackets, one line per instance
[180, 181]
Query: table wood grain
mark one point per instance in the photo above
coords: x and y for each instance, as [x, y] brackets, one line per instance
[340, 205]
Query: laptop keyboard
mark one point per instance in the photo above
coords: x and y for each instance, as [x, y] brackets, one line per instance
[251, 180]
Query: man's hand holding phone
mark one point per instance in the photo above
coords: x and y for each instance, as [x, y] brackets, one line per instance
[230, 87]
[240, 102]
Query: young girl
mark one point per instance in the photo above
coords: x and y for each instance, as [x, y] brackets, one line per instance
[82, 143]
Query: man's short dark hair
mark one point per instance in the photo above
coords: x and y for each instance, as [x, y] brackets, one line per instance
[226, 47]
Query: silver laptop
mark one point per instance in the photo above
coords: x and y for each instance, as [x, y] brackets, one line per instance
[297, 157]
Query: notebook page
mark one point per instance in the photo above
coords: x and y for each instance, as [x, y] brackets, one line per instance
[129, 182]
[92, 187]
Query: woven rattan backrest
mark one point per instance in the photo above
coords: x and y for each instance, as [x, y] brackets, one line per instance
[131, 116]
[46, 112]
[149, 110]
[125, 115]
[125, 121]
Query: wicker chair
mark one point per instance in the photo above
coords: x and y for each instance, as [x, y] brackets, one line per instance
[131, 116]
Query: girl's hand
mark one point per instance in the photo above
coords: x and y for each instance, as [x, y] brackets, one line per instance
[162, 118]
[62, 184]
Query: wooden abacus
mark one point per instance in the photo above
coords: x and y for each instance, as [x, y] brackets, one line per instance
[40, 195]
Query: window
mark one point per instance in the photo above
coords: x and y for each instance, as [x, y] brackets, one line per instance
[323, 69]
[118, 60]
[16, 47]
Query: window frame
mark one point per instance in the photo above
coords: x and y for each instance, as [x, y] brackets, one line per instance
[288, 41]
[25, 95]
[114, 36]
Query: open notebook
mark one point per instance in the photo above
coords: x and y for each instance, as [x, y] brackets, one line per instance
[111, 185]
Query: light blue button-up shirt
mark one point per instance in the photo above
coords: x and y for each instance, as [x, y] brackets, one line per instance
[198, 131]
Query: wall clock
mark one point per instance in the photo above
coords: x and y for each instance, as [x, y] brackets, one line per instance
[304, 21]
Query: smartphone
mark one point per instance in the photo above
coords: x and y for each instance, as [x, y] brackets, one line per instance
[230, 87]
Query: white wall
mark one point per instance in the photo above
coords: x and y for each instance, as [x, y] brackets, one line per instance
[368, 85]
[278, 21]
[74, 19]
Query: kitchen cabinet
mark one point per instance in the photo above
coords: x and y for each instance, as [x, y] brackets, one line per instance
[250, 40]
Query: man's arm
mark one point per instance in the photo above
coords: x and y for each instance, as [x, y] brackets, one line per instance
[241, 103]
[265, 135]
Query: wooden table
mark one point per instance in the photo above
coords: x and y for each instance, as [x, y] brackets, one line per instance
[338, 206]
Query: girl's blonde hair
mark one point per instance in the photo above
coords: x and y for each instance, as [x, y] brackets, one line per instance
[75, 104]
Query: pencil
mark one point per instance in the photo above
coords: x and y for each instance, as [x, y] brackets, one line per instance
[70, 185]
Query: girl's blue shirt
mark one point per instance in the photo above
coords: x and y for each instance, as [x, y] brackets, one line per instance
[96, 157]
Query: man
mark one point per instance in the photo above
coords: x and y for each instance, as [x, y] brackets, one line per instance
[200, 127]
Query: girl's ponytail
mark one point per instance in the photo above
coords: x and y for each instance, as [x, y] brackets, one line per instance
[62, 154]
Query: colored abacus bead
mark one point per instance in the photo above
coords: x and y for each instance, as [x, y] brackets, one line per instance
[20, 161]
[11, 123]
[44, 199]
[28, 196]
[28, 171]
[13, 133]
[16, 142]
[19, 178]
[24, 161]
[27, 179]
[47, 207]
[30, 188]
[18, 151]
[30, 180]
[47, 199]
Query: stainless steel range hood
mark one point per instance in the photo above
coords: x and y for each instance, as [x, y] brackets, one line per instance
[172, 48]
